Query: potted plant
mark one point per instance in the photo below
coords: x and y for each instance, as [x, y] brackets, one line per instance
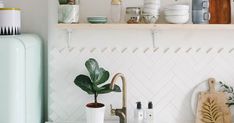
[94, 84]
[68, 11]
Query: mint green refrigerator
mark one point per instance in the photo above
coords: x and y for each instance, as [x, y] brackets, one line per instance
[21, 80]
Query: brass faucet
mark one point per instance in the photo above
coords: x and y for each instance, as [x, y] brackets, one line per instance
[121, 113]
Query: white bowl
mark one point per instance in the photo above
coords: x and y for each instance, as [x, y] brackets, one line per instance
[151, 13]
[176, 12]
[148, 10]
[152, 6]
[180, 19]
[150, 19]
[152, 2]
[178, 7]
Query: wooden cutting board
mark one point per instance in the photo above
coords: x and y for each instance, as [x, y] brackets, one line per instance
[220, 11]
[211, 107]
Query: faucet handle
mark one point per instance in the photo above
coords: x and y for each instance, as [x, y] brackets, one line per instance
[112, 110]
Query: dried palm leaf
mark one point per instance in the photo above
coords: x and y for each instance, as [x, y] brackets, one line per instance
[210, 111]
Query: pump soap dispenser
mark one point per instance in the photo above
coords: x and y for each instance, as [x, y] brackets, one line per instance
[149, 113]
[139, 114]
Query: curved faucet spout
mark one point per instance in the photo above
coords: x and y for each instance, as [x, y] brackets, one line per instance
[122, 113]
[124, 88]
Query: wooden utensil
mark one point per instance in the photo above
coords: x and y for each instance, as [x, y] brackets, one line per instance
[211, 107]
[220, 11]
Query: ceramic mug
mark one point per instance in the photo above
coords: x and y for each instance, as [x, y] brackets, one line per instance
[200, 11]
[68, 14]
[200, 17]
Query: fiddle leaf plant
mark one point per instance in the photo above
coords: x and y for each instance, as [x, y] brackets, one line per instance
[94, 84]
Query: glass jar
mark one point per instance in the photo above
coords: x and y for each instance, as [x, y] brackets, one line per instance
[133, 15]
[1, 4]
[116, 9]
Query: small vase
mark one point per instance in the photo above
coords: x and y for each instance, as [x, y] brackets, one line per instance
[10, 21]
[95, 114]
[68, 14]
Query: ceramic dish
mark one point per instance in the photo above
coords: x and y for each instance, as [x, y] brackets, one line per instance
[152, 2]
[203, 86]
[152, 6]
[97, 19]
[177, 19]
[151, 11]
[176, 12]
[176, 7]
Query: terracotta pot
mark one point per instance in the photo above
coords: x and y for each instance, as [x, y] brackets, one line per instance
[95, 114]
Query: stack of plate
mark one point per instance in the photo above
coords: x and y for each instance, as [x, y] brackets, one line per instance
[97, 19]
[177, 14]
[151, 11]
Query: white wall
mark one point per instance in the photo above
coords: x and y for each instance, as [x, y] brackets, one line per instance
[34, 20]
[65, 64]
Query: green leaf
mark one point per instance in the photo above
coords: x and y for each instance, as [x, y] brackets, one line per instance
[92, 66]
[95, 87]
[106, 89]
[98, 75]
[226, 86]
[231, 89]
[84, 83]
[103, 76]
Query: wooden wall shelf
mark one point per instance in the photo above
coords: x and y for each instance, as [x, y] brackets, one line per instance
[148, 26]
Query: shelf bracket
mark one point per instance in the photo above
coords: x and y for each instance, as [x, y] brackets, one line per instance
[69, 33]
[154, 34]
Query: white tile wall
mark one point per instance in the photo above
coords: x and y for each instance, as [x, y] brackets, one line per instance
[165, 76]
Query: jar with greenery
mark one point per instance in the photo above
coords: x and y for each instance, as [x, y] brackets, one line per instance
[68, 11]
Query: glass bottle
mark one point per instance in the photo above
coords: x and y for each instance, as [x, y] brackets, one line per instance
[116, 10]
[1, 4]
[133, 15]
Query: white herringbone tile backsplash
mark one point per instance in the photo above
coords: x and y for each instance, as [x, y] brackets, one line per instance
[165, 76]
